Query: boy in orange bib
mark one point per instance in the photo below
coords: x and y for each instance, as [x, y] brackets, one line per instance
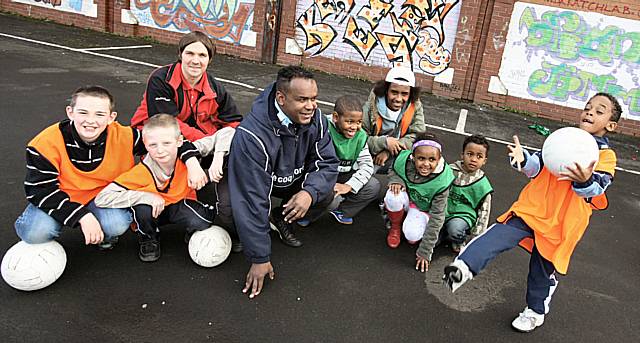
[549, 217]
[70, 162]
[157, 191]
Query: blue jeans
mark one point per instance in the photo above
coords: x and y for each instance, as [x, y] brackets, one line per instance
[35, 226]
[456, 230]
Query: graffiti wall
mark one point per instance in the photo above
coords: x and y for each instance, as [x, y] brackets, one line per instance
[416, 33]
[225, 20]
[564, 56]
[85, 7]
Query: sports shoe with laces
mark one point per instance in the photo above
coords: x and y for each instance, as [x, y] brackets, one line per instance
[339, 215]
[527, 320]
[456, 274]
[284, 229]
[149, 250]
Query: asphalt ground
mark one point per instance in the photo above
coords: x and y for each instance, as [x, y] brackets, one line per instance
[343, 285]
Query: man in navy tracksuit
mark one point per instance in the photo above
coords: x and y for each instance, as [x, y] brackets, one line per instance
[283, 149]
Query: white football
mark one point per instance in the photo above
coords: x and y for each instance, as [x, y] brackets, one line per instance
[210, 247]
[29, 267]
[567, 146]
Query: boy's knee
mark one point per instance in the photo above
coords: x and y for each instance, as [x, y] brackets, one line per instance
[197, 224]
[115, 222]
[35, 236]
[142, 212]
[34, 226]
[372, 188]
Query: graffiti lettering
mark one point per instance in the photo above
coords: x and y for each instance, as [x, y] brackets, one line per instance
[374, 12]
[83, 7]
[361, 40]
[560, 82]
[413, 30]
[571, 55]
[566, 36]
[53, 3]
[221, 19]
[336, 7]
[396, 47]
[317, 33]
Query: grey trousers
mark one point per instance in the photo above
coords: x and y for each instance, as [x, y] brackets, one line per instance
[351, 204]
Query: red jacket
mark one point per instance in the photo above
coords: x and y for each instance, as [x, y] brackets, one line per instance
[214, 108]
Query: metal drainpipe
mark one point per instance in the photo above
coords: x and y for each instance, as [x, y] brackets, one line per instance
[272, 23]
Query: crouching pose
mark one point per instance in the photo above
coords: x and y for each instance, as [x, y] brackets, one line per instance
[157, 190]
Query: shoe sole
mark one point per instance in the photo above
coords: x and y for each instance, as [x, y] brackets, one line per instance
[148, 259]
[525, 331]
[339, 221]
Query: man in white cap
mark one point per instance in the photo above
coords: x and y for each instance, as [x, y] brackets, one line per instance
[392, 116]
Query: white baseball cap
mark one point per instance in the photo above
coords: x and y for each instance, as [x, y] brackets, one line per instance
[402, 76]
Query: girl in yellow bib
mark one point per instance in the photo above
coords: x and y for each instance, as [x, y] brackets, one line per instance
[549, 217]
[419, 185]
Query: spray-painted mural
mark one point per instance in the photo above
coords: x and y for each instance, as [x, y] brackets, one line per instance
[225, 20]
[416, 33]
[85, 7]
[563, 57]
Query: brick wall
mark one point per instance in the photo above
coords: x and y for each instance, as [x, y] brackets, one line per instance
[477, 56]
[66, 18]
[492, 59]
[109, 20]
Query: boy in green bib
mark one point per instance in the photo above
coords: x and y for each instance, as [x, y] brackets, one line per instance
[355, 187]
[469, 202]
[419, 186]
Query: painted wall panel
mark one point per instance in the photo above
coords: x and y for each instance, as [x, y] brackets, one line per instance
[564, 56]
[226, 20]
[85, 7]
[416, 33]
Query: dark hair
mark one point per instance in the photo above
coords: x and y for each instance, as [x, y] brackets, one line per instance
[288, 73]
[423, 136]
[95, 91]
[194, 37]
[381, 87]
[347, 103]
[476, 139]
[616, 111]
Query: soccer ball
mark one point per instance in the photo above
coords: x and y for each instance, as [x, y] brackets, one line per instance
[29, 267]
[568, 146]
[210, 247]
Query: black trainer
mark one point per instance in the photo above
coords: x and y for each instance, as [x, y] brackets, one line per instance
[149, 250]
[284, 229]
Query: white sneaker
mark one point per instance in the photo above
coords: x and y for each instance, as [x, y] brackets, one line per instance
[527, 321]
[456, 274]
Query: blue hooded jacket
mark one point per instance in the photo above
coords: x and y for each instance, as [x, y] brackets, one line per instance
[264, 155]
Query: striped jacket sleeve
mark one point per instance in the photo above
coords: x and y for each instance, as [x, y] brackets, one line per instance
[364, 172]
[43, 190]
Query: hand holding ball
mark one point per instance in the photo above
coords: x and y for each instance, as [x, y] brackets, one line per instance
[567, 147]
